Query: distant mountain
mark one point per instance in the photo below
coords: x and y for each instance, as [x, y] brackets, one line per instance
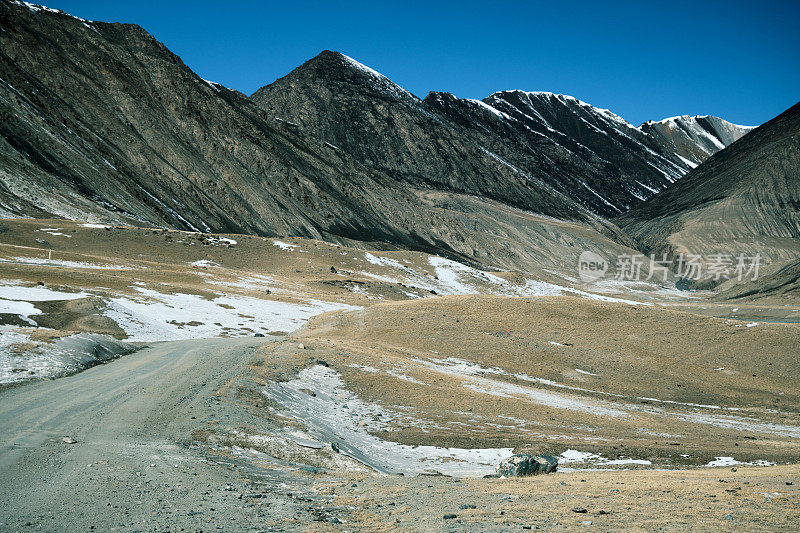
[695, 138]
[393, 132]
[484, 147]
[743, 199]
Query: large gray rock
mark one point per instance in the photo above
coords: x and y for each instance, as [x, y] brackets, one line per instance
[525, 464]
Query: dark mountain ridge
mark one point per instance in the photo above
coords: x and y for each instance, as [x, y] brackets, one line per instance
[553, 141]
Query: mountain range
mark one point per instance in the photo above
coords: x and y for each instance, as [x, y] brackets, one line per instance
[101, 122]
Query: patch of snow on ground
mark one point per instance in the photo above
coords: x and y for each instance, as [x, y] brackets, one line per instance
[154, 316]
[13, 290]
[255, 282]
[384, 261]
[55, 232]
[452, 278]
[204, 263]
[472, 381]
[645, 289]
[391, 372]
[336, 415]
[22, 309]
[67, 355]
[284, 245]
[63, 263]
[225, 241]
[593, 459]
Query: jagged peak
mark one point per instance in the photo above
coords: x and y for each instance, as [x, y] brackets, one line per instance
[37, 8]
[446, 97]
[328, 60]
[692, 119]
[565, 99]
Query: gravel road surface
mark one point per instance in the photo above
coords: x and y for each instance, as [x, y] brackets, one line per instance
[133, 465]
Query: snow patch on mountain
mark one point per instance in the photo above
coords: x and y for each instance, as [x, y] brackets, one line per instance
[381, 82]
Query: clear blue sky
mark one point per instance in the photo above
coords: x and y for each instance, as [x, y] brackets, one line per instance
[643, 60]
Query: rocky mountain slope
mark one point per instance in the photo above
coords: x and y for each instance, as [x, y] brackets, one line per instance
[695, 138]
[100, 121]
[393, 132]
[588, 154]
[744, 199]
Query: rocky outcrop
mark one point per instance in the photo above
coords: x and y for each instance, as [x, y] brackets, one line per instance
[524, 464]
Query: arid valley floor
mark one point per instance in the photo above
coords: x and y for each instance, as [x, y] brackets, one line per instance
[382, 388]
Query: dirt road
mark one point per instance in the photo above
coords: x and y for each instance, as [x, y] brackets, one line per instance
[133, 466]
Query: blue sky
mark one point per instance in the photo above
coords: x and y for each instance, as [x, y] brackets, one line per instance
[643, 60]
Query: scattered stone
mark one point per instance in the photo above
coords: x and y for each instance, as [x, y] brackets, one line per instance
[586, 523]
[525, 464]
[432, 473]
[335, 447]
[258, 335]
[333, 270]
[789, 483]
[301, 346]
[449, 516]
[69, 440]
[579, 510]
[603, 511]
[499, 512]
[467, 506]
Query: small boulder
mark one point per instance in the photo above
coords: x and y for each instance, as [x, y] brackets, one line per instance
[525, 464]
[69, 440]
